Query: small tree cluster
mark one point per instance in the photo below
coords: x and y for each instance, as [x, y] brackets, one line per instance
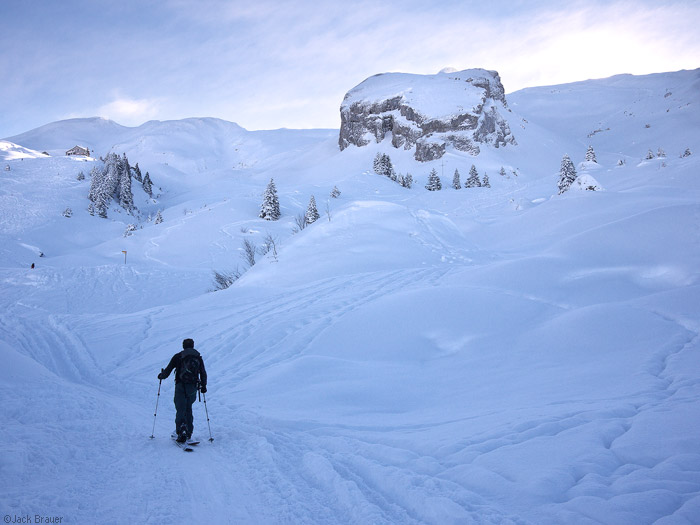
[159, 218]
[383, 166]
[567, 174]
[113, 181]
[130, 229]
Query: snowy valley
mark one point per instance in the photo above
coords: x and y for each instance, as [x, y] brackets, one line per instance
[502, 354]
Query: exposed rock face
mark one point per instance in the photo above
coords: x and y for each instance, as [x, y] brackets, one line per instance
[427, 112]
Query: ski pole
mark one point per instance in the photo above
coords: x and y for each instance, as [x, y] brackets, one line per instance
[155, 413]
[207, 411]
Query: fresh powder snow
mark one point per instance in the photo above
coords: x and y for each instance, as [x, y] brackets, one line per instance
[501, 355]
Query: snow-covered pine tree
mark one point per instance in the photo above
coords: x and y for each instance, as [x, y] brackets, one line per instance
[567, 174]
[388, 167]
[270, 207]
[99, 193]
[486, 183]
[502, 173]
[335, 193]
[473, 181]
[590, 155]
[407, 181]
[382, 166]
[312, 214]
[159, 218]
[137, 173]
[126, 197]
[686, 153]
[650, 155]
[81, 176]
[660, 152]
[456, 184]
[68, 213]
[434, 183]
[147, 184]
[377, 165]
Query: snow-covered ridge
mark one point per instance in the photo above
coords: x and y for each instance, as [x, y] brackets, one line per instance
[11, 151]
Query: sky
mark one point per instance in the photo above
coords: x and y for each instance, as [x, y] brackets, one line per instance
[271, 64]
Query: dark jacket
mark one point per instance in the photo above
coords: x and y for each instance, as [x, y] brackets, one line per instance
[176, 362]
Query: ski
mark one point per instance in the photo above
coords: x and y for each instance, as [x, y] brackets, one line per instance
[184, 446]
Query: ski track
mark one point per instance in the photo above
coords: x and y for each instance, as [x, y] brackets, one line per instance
[299, 475]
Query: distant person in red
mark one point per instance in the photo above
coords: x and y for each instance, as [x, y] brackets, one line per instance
[190, 376]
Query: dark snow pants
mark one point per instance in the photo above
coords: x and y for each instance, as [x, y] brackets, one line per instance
[185, 396]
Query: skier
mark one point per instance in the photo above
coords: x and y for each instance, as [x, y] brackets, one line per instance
[190, 376]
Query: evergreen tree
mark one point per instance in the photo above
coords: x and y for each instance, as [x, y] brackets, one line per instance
[68, 213]
[567, 174]
[456, 184]
[377, 165]
[137, 173]
[650, 155]
[434, 183]
[407, 181]
[159, 218]
[686, 153]
[335, 193]
[126, 197]
[383, 166]
[473, 181]
[99, 193]
[270, 207]
[502, 173]
[660, 152]
[486, 183]
[81, 176]
[590, 155]
[147, 185]
[312, 214]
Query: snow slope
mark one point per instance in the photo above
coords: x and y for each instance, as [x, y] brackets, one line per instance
[502, 355]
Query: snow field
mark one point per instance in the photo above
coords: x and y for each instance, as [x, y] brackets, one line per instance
[471, 356]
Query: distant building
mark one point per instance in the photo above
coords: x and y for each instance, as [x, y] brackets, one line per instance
[78, 150]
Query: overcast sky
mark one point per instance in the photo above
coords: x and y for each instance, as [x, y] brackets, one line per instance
[268, 64]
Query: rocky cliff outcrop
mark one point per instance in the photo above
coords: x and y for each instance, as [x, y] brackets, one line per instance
[461, 109]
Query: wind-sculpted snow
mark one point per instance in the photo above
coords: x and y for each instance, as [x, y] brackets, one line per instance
[484, 355]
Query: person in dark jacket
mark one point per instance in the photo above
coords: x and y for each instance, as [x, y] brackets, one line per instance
[190, 376]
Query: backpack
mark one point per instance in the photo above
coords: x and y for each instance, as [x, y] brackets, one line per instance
[189, 367]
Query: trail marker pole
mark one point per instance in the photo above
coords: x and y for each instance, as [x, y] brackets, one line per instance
[124, 252]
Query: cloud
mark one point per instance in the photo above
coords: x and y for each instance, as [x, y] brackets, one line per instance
[130, 112]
